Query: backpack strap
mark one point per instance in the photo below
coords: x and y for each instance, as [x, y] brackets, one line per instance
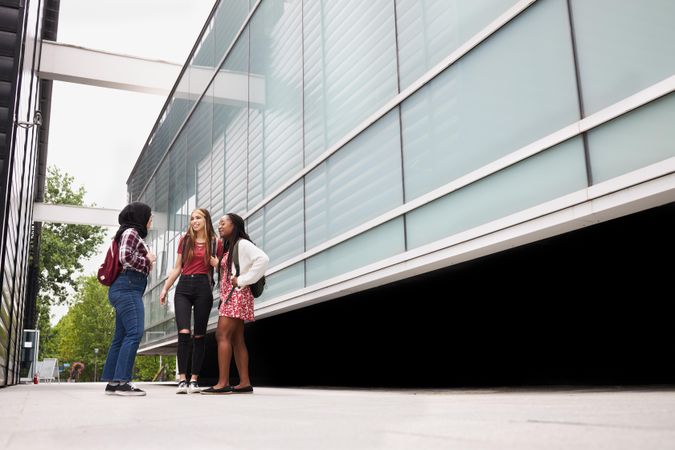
[235, 258]
[214, 248]
[220, 261]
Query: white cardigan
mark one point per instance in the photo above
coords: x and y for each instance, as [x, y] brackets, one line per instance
[252, 263]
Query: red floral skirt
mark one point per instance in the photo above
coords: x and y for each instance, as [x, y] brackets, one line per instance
[240, 304]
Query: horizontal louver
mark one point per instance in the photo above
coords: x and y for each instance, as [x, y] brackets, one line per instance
[350, 67]
[358, 183]
[283, 235]
[235, 164]
[276, 125]
[430, 30]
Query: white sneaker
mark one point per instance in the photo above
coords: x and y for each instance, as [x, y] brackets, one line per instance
[182, 387]
[193, 388]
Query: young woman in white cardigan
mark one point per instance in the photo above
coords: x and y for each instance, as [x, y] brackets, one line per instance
[236, 306]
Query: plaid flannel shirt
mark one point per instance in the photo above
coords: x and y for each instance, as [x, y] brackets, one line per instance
[134, 252]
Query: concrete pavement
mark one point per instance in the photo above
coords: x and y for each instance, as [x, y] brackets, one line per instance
[78, 415]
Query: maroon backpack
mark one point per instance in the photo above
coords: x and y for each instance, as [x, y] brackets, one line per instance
[111, 267]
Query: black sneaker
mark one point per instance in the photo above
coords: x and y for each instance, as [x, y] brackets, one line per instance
[128, 390]
[110, 389]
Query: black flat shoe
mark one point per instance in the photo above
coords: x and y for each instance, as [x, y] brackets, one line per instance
[212, 390]
[242, 390]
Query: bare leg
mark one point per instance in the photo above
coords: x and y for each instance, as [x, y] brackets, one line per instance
[224, 333]
[241, 355]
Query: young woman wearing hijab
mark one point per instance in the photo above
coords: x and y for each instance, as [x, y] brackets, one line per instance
[194, 264]
[125, 295]
[237, 303]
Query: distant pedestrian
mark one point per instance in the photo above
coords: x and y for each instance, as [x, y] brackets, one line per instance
[236, 306]
[196, 258]
[125, 295]
[75, 371]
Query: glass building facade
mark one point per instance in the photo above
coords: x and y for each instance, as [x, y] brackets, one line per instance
[358, 138]
[22, 150]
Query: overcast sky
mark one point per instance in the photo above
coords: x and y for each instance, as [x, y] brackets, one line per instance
[96, 134]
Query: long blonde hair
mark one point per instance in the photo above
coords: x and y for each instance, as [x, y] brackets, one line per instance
[190, 238]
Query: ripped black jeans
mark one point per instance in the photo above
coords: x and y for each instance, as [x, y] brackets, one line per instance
[192, 291]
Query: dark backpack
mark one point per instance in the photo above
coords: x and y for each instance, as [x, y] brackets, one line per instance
[257, 287]
[111, 267]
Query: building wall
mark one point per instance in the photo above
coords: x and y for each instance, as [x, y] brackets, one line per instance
[358, 138]
[18, 184]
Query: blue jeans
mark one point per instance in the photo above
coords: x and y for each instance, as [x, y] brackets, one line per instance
[125, 295]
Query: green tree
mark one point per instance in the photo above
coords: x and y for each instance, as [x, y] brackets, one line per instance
[48, 334]
[88, 325]
[63, 248]
[147, 367]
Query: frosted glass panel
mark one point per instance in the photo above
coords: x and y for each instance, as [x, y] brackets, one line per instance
[275, 124]
[177, 187]
[256, 163]
[284, 225]
[231, 125]
[429, 30]
[255, 228]
[359, 182]
[350, 66]
[288, 280]
[217, 162]
[205, 54]
[372, 246]
[636, 140]
[508, 92]
[228, 21]
[199, 135]
[169, 122]
[160, 217]
[202, 65]
[154, 312]
[623, 47]
[543, 177]
[148, 198]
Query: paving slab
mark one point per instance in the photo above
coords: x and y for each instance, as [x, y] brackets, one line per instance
[78, 415]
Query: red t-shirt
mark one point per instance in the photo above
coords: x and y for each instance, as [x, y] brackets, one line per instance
[196, 264]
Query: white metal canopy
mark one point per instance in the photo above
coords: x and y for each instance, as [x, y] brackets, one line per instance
[75, 64]
[78, 215]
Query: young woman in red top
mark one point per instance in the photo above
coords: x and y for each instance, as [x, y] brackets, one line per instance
[194, 264]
